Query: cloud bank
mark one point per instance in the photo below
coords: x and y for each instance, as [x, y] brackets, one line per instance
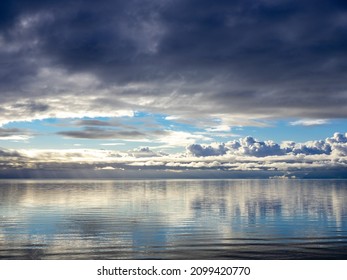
[240, 60]
[244, 157]
[249, 146]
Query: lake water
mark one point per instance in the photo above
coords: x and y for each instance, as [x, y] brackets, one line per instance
[183, 219]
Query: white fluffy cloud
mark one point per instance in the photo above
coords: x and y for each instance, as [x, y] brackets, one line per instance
[310, 122]
[243, 155]
[249, 146]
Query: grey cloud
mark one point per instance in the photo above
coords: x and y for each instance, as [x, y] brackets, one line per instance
[115, 129]
[6, 153]
[97, 133]
[32, 106]
[98, 123]
[6, 132]
[283, 59]
[13, 132]
[142, 153]
[206, 150]
[92, 123]
[10, 160]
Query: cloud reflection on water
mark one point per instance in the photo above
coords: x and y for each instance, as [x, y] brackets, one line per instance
[168, 219]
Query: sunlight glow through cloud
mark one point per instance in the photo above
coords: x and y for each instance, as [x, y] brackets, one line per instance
[172, 85]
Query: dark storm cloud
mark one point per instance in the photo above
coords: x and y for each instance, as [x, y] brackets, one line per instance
[269, 58]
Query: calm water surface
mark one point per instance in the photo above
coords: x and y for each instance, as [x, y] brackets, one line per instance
[184, 219]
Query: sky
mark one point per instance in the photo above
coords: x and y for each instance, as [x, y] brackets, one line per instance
[173, 89]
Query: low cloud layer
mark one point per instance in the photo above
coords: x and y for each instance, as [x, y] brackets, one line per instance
[246, 157]
[249, 146]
